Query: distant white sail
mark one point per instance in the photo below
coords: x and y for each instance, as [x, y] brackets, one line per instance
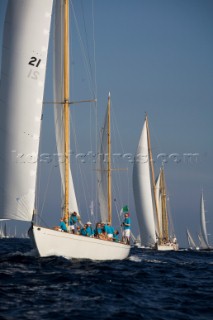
[204, 236]
[142, 188]
[58, 84]
[159, 202]
[191, 242]
[25, 47]
[102, 173]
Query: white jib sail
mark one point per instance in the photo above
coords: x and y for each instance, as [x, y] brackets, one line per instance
[203, 223]
[191, 242]
[142, 189]
[58, 83]
[25, 47]
[102, 173]
[159, 202]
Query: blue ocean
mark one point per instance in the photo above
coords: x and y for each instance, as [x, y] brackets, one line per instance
[148, 285]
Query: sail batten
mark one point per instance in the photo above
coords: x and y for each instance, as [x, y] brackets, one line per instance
[24, 56]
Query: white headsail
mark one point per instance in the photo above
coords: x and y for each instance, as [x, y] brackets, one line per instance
[142, 188]
[102, 172]
[58, 97]
[204, 236]
[159, 200]
[25, 47]
[191, 242]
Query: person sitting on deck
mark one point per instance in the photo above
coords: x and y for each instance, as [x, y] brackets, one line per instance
[73, 219]
[98, 230]
[109, 230]
[83, 231]
[62, 225]
[115, 236]
[89, 230]
[78, 230]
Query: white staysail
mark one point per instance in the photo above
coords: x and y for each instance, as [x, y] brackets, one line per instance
[102, 173]
[204, 236]
[191, 242]
[142, 189]
[25, 47]
[159, 201]
[58, 97]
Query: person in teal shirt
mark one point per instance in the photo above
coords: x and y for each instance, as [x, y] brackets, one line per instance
[89, 230]
[72, 221]
[109, 230]
[115, 236]
[83, 231]
[63, 226]
[98, 230]
[126, 228]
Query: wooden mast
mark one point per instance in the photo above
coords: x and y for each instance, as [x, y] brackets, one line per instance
[109, 162]
[165, 231]
[66, 108]
[152, 176]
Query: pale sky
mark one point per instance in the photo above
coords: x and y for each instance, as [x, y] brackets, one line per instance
[154, 56]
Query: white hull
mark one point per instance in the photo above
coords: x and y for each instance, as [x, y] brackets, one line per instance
[167, 247]
[50, 242]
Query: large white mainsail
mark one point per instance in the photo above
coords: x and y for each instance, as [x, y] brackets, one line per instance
[204, 236]
[142, 188]
[58, 77]
[25, 47]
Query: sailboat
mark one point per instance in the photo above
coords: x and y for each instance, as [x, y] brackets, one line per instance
[24, 59]
[150, 198]
[191, 243]
[203, 236]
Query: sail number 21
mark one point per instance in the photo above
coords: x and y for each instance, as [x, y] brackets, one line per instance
[34, 61]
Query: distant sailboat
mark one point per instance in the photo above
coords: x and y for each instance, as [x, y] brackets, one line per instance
[191, 243]
[203, 237]
[150, 199]
[24, 63]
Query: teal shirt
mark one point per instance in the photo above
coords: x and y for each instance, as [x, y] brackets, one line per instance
[73, 219]
[83, 232]
[63, 226]
[89, 231]
[115, 237]
[126, 221]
